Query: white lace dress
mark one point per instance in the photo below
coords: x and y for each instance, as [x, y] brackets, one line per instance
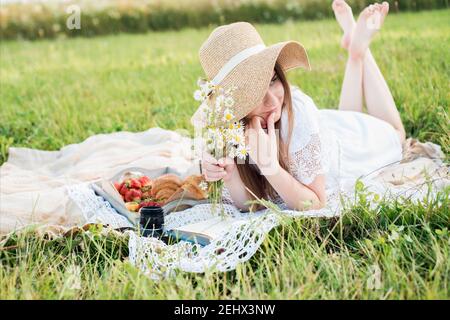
[342, 145]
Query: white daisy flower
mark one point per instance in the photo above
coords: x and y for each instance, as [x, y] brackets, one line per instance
[207, 88]
[199, 95]
[227, 115]
[239, 125]
[203, 185]
[242, 152]
[237, 138]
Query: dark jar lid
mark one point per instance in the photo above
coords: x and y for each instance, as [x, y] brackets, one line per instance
[151, 217]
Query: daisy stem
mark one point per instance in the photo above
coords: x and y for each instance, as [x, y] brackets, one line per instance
[215, 193]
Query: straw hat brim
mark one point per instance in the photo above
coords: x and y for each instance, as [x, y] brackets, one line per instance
[252, 76]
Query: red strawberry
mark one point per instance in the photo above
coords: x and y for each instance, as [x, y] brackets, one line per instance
[135, 195]
[117, 185]
[149, 204]
[123, 189]
[135, 184]
[145, 181]
[127, 196]
[142, 204]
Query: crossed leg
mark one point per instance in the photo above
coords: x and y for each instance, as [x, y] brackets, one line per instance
[363, 79]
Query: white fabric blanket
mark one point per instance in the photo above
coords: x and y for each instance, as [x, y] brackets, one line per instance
[52, 188]
[33, 183]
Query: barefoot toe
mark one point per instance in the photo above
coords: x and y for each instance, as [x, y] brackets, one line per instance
[344, 17]
[385, 8]
[369, 22]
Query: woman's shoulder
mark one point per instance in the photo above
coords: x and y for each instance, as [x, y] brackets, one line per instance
[300, 100]
[304, 113]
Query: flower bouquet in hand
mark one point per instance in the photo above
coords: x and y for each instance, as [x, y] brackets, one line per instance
[222, 134]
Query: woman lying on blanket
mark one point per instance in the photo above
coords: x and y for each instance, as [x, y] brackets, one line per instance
[317, 148]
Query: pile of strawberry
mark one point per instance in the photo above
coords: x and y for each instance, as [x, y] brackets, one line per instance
[136, 192]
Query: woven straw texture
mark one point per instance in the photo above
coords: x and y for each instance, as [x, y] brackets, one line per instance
[252, 76]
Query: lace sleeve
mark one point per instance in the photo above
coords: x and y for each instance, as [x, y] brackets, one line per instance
[307, 163]
[307, 148]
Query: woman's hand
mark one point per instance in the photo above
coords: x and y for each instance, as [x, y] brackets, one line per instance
[214, 170]
[263, 146]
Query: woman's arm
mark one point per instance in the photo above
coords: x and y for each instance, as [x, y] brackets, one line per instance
[296, 195]
[264, 152]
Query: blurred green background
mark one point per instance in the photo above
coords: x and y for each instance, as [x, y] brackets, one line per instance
[48, 19]
[60, 86]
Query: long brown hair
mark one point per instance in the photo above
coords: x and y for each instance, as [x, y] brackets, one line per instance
[249, 172]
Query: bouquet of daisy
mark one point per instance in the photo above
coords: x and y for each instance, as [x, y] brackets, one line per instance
[222, 133]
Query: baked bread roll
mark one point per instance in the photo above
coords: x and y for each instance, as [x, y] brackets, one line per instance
[178, 194]
[194, 192]
[170, 187]
[167, 181]
[165, 193]
[192, 188]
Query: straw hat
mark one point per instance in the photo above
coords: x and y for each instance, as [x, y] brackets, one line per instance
[235, 55]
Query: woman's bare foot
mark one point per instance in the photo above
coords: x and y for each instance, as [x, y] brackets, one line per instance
[369, 22]
[344, 17]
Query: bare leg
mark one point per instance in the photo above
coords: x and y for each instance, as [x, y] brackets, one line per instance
[351, 97]
[378, 97]
[362, 75]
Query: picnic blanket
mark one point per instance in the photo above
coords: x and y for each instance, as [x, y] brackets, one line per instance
[33, 183]
[51, 188]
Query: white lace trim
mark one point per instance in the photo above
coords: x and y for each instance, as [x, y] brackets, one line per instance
[94, 208]
[307, 163]
[241, 241]
[233, 246]
[310, 145]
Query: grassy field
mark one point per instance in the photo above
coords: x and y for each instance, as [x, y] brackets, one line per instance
[58, 92]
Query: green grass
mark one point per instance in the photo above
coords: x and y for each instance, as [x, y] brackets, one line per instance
[58, 92]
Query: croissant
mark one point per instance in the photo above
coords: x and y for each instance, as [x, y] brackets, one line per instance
[164, 194]
[171, 187]
[179, 193]
[169, 177]
[170, 181]
[193, 191]
[165, 186]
